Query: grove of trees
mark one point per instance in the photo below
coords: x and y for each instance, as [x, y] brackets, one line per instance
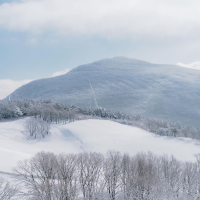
[93, 176]
[37, 127]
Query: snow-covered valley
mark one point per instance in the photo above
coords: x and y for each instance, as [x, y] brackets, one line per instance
[89, 136]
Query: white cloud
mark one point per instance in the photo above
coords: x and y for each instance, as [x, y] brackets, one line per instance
[194, 65]
[8, 86]
[60, 72]
[108, 18]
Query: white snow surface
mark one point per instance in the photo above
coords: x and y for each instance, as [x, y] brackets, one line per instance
[90, 136]
[194, 65]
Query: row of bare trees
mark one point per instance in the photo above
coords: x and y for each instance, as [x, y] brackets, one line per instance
[93, 176]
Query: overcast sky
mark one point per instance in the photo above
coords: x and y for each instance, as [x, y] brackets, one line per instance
[43, 38]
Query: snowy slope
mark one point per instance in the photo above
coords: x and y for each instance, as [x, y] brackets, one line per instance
[88, 135]
[132, 86]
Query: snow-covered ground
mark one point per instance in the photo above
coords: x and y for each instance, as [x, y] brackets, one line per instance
[88, 135]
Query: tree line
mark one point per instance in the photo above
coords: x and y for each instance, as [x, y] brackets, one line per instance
[94, 176]
[53, 112]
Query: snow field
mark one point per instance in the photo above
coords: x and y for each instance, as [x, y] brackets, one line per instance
[88, 135]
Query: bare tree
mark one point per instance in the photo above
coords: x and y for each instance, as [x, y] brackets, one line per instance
[67, 187]
[38, 175]
[126, 176]
[112, 171]
[7, 191]
[31, 127]
[90, 175]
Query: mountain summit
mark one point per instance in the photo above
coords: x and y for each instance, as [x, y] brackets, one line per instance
[137, 87]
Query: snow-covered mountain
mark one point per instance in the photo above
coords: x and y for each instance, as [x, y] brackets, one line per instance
[161, 91]
[89, 136]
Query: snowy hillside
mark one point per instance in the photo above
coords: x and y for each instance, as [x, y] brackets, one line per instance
[88, 135]
[160, 91]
